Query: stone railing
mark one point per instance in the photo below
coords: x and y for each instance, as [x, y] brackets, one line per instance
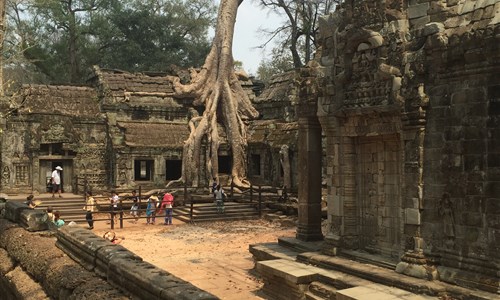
[82, 265]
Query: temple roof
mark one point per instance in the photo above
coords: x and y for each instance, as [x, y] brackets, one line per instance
[279, 88]
[76, 101]
[148, 134]
[275, 134]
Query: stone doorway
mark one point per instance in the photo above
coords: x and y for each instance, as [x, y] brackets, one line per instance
[378, 189]
[46, 168]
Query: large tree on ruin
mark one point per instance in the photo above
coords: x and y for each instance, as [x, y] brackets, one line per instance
[216, 87]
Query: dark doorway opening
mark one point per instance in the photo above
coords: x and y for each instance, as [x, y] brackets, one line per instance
[173, 169]
[225, 164]
[143, 170]
[255, 164]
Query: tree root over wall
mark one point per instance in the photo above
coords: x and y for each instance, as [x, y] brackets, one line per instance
[32, 267]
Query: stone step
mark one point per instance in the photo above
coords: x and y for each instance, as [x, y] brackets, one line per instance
[317, 283]
[388, 277]
[289, 259]
[215, 218]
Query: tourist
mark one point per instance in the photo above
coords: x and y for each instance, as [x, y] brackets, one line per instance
[219, 199]
[56, 181]
[151, 210]
[57, 219]
[50, 214]
[134, 210]
[115, 199]
[29, 201]
[89, 207]
[214, 186]
[111, 236]
[167, 204]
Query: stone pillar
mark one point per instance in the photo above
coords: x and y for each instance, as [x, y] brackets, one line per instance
[309, 166]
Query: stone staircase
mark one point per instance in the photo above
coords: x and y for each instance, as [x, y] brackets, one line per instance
[70, 206]
[207, 212]
[293, 269]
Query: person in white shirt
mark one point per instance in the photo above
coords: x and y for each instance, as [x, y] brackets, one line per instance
[56, 181]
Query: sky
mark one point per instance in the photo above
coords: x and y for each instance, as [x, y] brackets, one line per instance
[247, 36]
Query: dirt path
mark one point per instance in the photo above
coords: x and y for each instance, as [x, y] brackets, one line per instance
[212, 256]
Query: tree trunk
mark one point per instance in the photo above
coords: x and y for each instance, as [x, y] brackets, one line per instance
[72, 47]
[285, 164]
[2, 36]
[217, 88]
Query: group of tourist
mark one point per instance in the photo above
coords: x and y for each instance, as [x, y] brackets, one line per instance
[53, 217]
[154, 206]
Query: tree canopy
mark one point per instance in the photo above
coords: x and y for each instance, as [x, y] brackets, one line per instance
[60, 39]
[296, 37]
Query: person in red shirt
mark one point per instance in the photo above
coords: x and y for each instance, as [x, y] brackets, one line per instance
[167, 203]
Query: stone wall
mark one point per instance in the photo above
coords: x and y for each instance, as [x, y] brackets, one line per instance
[461, 220]
[407, 96]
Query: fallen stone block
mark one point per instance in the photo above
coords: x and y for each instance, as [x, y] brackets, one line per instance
[110, 252]
[23, 286]
[13, 210]
[33, 220]
[81, 245]
[145, 281]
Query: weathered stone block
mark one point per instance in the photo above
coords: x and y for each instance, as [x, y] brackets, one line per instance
[467, 7]
[433, 28]
[420, 22]
[33, 220]
[417, 11]
[2, 209]
[469, 279]
[412, 216]
[13, 210]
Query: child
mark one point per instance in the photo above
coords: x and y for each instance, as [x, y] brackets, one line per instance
[151, 210]
[50, 214]
[134, 210]
[167, 203]
[57, 219]
[29, 201]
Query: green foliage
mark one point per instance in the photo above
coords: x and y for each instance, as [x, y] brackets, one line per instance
[279, 62]
[63, 39]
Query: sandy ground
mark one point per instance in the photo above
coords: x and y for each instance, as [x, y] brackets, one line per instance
[212, 256]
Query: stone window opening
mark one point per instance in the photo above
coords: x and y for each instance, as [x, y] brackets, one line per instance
[22, 174]
[143, 170]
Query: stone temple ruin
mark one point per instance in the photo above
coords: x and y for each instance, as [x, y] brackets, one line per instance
[127, 130]
[407, 95]
[402, 101]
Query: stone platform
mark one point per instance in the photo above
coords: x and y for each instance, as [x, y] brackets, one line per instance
[293, 269]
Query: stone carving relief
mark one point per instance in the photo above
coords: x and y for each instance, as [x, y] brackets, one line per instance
[56, 133]
[370, 81]
[446, 211]
[5, 175]
[123, 178]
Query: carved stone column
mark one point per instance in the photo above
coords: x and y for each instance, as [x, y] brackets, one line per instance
[309, 158]
[309, 227]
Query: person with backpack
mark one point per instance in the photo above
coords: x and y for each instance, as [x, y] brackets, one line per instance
[167, 204]
[219, 199]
